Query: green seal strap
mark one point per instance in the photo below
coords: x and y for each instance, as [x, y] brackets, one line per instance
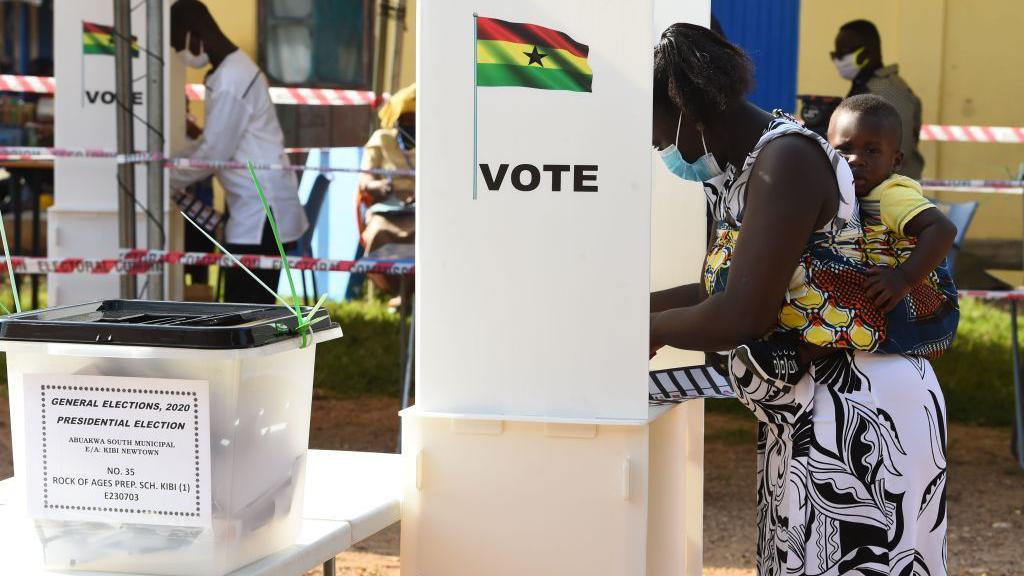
[303, 324]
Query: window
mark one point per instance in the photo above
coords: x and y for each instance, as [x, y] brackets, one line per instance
[318, 43]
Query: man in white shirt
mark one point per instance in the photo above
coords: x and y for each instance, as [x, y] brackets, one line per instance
[240, 125]
[858, 58]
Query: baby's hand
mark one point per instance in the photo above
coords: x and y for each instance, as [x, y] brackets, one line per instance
[886, 287]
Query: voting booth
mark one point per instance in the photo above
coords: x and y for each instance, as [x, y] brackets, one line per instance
[83, 222]
[544, 221]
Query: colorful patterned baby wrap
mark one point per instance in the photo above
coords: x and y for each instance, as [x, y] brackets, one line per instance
[826, 303]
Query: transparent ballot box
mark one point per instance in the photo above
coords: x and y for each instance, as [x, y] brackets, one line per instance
[160, 437]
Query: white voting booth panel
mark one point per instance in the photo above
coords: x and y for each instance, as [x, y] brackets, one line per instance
[81, 233]
[535, 303]
[251, 442]
[532, 448]
[506, 498]
[527, 296]
[678, 238]
[86, 118]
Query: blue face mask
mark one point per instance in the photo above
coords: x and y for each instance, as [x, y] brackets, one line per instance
[705, 168]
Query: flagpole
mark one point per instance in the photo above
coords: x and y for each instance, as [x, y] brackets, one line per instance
[474, 105]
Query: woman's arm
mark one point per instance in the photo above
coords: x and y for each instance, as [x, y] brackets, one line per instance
[372, 185]
[792, 191]
[678, 297]
[375, 187]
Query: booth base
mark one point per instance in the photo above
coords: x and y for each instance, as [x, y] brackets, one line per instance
[513, 497]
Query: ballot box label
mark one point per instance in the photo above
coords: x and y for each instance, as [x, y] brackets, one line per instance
[118, 449]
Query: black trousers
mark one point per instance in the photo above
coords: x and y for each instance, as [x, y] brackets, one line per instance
[196, 242]
[240, 287]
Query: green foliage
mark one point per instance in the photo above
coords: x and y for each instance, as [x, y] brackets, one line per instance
[365, 361]
[24, 294]
[977, 373]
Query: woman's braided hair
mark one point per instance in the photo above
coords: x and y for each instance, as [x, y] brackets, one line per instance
[699, 71]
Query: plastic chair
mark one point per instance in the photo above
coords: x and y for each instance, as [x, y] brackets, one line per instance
[304, 245]
[961, 215]
[363, 203]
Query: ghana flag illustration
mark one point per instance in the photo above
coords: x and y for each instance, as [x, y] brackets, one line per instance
[530, 56]
[99, 39]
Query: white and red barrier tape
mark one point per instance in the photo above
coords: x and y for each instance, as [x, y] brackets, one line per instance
[993, 294]
[983, 134]
[1014, 187]
[335, 97]
[44, 153]
[27, 84]
[304, 96]
[190, 163]
[197, 92]
[144, 261]
[21, 157]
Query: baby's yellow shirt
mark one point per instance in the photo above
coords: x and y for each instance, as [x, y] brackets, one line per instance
[893, 203]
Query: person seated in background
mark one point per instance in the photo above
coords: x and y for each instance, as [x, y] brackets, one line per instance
[390, 217]
[866, 130]
[858, 58]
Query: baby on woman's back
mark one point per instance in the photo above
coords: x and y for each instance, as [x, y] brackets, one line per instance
[867, 131]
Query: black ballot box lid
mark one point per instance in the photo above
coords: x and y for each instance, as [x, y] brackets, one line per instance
[197, 325]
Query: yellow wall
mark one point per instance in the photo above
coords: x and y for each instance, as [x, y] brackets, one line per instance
[962, 58]
[408, 57]
[239, 19]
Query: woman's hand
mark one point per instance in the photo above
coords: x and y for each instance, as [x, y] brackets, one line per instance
[377, 190]
[886, 287]
[654, 344]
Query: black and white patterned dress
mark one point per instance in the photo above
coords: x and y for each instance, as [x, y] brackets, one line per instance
[852, 459]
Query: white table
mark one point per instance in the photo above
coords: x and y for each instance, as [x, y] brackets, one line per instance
[349, 497]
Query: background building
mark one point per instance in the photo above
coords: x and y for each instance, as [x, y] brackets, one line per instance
[328, 44]
[961, 57]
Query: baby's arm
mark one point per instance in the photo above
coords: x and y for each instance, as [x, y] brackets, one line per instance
[935, 234]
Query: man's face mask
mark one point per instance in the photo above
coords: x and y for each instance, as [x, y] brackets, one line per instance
[201, 60]
[850, 65]
[705, 168]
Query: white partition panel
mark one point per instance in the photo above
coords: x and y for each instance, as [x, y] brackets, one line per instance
[505, 498]
[678, 240]
[535, 302]
[86, 109]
